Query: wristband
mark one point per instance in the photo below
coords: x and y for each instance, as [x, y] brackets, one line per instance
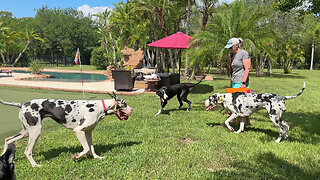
[244, 83]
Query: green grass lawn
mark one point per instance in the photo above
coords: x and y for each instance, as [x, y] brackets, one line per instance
[179, 144]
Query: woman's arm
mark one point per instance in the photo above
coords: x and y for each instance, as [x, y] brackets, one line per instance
[247, 67]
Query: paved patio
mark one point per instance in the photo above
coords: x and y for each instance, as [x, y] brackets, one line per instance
[107, 86]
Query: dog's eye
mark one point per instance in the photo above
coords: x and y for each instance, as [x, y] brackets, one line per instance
[121, 103]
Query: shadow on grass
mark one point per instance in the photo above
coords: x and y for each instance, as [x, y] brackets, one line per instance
[287, 76]
[99, 149]
[167, 111]
[202, 89]
[269, 166]
[308, 123]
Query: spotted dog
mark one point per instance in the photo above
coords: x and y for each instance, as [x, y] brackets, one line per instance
[244, 104]
[81, 116]
[6, 163]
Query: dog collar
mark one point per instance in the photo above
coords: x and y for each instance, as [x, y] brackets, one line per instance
[104, 107]
[222, 99]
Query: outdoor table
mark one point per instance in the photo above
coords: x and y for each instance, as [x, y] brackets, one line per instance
[152, 85]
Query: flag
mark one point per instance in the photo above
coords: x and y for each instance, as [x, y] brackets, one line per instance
[77, 57]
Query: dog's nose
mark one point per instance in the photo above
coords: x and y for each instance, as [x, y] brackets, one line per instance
[130, 109]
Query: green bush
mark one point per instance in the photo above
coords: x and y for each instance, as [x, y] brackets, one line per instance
[36, 67]
[99, 58]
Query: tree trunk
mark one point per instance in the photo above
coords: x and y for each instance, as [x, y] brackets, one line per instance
[176, 58]
[186, 69]
[105, 44]
[113, 46]
[269, 67]
[155, 33]
[287, 67]
[7, 52]
[260, 65]
[2, 57]
[158, 60]
[312, 55]
[16, 60]
[149, 57]
[171, 60]
[162, 60]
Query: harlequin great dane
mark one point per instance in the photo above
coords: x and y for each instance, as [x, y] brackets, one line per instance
[244, 104]
[81, 116]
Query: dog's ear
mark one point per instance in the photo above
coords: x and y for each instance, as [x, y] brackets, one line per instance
[114, 95]
[164, 88]
[10, 153]
[110, 95]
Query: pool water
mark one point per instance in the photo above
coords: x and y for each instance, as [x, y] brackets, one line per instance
[68, 77]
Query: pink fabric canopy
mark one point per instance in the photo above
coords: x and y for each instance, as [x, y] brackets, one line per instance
[174, 41]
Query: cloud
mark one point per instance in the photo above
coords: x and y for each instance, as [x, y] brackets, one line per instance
[226, 1]
[87, 10]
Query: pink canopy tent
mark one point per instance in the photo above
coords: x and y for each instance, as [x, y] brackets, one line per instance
[175, 41]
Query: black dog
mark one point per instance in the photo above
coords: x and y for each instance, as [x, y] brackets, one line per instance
[181, 90]
[6, 163]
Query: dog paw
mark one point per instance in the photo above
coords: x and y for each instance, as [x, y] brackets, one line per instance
[36, 165]
[99, 157]
[237, 132]
[75, 157]
[278, 140]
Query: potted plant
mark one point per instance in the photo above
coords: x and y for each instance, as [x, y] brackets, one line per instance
[123, 79]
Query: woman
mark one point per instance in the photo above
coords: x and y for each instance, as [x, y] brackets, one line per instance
[241, 63]
[240, 66]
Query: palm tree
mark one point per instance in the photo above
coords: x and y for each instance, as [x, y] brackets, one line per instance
[232, 20]
[148, 6]
[207, 8]
[7, 35]
[30, 35]
[104, 25]
[2, 29]
[312, 32]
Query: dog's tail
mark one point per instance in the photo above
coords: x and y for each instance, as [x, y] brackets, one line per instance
[193, 85]
[290, 97]
[11, 103]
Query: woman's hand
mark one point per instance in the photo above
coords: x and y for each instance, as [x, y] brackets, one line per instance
[243, 86]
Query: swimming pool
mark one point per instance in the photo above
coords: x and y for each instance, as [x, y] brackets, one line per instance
[68, 77]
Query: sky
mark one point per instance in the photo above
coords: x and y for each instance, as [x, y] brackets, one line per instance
[27, 8]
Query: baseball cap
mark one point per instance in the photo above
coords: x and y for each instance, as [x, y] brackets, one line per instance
[232, 42]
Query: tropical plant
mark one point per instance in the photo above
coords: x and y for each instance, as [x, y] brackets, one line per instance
[292, 53]
[311, 34]
[36, 66]
[7, 36]
[100, 59]
[234, 20]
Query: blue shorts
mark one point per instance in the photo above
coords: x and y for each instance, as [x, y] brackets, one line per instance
[238, 84]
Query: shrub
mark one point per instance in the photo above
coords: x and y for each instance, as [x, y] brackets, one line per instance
[99, 58]
[36, 67]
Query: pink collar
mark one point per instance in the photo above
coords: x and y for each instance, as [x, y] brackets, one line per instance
[104, 106]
